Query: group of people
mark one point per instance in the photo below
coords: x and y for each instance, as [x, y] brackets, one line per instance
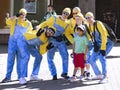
[54, 33]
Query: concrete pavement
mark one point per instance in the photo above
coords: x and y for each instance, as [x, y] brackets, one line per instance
[113, 67]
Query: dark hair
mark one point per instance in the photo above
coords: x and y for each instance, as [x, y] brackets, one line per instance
[79, 29]
[50, 5]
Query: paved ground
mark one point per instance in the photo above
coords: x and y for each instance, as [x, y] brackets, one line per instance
[113, 67]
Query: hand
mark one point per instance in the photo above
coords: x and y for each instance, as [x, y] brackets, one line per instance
[13, 18]
[103, 52]
[40, 31]
[50, 46]
[7, 15]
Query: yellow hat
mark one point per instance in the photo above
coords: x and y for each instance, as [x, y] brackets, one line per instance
[89, 14]
[76, 10]
[52, 28]
[68, 10]
[80, 15]
[23, 10]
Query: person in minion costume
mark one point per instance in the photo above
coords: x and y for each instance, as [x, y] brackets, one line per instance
[69, 33]
[102, 46]
[38, 46]
[17, 46]
[60, 23]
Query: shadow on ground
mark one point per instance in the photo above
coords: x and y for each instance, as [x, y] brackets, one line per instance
[46, 85]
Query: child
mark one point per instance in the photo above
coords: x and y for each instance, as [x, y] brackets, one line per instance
[80, 48]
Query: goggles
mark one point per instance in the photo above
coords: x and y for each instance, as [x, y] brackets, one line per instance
[66, 14]
[89, 17]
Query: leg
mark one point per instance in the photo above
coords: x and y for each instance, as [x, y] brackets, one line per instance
[11, 57]
[64, 54]
[93, 58]
[50, 57]
[38, 58]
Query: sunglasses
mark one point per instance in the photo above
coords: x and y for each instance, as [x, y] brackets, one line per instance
[88, 17]
[50, 31]
[66, 14]
[74, 13]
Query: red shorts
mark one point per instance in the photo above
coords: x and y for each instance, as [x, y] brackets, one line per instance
[79, 60]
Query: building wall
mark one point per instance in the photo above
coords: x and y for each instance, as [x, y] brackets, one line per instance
[87, 5]
[4, 8]
[40, 9]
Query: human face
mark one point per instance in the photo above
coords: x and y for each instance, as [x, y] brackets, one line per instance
[65, 15]
[90, 19]
[49, 9]
[22, 15]
[78, 20]
[80, 32]
[49, 32]
[74, 14]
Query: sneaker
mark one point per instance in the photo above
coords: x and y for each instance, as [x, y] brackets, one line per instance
[5, 80]
[103, 80]
[81, 78]
[64, 76]
[35, 78]
[88, 76]
[54, 77]
[85, 73]
[99, 77]
[22, 81]
[72, 79]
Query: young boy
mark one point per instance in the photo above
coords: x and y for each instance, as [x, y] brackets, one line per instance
[80, 48]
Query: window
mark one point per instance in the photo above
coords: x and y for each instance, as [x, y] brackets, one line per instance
[30, 5]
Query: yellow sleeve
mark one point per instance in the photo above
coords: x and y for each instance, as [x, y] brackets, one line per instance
[88, 36]
[11, 23]
[103, 33]
[68, 34]
[48, 22]
[8, 21]
[43, 48]
[70, 30]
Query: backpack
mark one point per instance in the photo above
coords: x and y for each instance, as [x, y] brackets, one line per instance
[110, 31]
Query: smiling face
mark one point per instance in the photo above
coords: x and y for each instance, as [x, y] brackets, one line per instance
[49, 32]
[80, 32]
[65, 15]
[22, 15]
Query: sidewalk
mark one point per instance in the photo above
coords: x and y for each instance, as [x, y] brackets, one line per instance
[113, 67]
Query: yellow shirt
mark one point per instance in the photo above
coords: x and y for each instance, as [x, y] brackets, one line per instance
[103, 32]
[70, 30]
[13, 22]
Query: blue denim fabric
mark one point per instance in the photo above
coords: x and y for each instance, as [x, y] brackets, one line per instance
[97, 55]
[64, 54]
[62, 50]
[17, 48]
[34, 51]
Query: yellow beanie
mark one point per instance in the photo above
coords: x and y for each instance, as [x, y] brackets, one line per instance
[76, 10]
[68, 10]
[23, 10]
[52, 28]
[89, 14]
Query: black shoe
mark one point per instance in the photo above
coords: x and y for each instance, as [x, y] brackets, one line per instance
[64, 76]
[5, 80]
[88, 74]
[85, 74]
[54, 77]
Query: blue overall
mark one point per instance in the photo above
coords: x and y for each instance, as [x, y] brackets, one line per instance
[90, 49]
[62, 50]
[17, 48]
[98, 55]
[33, 46]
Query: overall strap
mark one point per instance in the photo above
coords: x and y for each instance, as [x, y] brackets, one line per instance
[16, 22]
